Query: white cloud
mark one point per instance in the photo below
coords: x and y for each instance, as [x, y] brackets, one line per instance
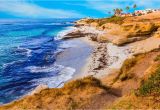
[22, 8]
[109, 5]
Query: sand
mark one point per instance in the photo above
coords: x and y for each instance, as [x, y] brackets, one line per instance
[107, 58]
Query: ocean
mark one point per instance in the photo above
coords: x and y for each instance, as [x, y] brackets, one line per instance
[28, 50]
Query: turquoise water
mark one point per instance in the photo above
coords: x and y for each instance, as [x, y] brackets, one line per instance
[27, 55]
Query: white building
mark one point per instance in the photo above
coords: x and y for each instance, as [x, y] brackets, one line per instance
[144, 12]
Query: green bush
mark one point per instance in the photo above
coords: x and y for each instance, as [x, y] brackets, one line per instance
[113, 19]
[152, 85]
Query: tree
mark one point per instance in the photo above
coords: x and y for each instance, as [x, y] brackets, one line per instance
[127, 8]
[117, 11]
[134, 6]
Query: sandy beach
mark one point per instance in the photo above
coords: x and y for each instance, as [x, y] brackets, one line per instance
[102, 59]
[106, 58]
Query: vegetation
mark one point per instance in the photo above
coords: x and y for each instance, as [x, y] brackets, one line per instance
[117, 11]
[152, 85]
[157, 58]
[113, 19]
[127, 8]
[73, 95]
[125, 69]
[82, 83]
[134, 6]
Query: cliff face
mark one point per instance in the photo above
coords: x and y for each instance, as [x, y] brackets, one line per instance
[125, 30]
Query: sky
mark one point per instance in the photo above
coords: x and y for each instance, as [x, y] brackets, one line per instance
[38, 9]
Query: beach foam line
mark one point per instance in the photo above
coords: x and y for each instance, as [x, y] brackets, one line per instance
[26, 50]
[64, 74]
[59, 24]
[44, 69]
[12, 63]
[67, 30]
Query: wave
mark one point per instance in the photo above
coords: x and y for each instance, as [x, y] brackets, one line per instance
[64, 74]
[67, 44]
[12, 63]
[24, 50]
[63, 23]
[67, 30]
[44, 69]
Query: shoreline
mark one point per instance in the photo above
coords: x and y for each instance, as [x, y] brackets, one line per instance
[108, 58]
[108, 76]
[76, 56]
[102, 61]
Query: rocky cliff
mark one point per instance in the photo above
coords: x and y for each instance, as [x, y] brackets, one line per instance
[122, 30]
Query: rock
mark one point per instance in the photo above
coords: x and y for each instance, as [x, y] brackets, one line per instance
[93, 37]
[94, 24]
[102, 39]
[124, 40]
[75, 34]
[139, 28]
[157, 34]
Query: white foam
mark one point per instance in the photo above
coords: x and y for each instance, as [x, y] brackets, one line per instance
[68, 44]
[11, 63]
[45, 69]
[28, 51]
[67, 30]
[64, 75]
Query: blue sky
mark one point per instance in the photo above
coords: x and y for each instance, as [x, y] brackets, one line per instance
[67, 8]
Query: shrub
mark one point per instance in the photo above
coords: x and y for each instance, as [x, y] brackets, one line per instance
[113, 19]
[152, 85]
[126, 67]
[82, 83]
[157, 58]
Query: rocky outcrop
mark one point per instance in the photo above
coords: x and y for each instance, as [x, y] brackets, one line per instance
[139, 29]
[128, 30]
[75, 34]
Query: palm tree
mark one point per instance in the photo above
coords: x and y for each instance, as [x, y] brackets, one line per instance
[117, 11]
[134, 6]
[120, 11]
[127, 8]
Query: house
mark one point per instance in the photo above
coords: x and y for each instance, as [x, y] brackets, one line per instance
[144, 12]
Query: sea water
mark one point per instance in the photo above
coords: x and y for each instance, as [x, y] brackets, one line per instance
[28, 49]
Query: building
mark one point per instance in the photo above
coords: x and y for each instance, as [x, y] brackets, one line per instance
[144, 12]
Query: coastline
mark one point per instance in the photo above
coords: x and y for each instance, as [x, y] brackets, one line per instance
[102, 61]
[107, 58]
[117, 71]
[76, 56]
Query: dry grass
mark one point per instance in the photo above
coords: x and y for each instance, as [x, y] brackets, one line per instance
[133, 102]
[113, 19]
[151, 86]
[74, 94]
[157, 58]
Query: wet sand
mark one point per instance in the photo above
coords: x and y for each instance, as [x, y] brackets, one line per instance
[75, 56]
